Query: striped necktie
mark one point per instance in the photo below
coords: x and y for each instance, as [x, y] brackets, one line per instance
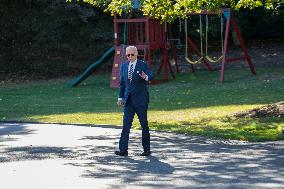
[130, 73]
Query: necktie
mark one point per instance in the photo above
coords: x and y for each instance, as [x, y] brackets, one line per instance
[130, 73]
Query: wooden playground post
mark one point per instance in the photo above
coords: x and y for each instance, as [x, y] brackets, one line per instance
[225, 48]
[243, 46]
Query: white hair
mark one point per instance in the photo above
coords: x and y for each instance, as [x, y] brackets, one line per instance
[132, 48]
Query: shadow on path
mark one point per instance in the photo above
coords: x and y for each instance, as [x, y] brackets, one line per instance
[177, 160]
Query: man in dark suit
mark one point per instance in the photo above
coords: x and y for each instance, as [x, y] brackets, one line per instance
[133, 93]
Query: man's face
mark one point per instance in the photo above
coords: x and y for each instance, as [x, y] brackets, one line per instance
[131, 55]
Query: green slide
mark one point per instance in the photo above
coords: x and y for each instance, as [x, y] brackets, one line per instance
[92, 68]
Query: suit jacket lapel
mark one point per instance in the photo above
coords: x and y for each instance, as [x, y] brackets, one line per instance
[126, 71]
[135, 74]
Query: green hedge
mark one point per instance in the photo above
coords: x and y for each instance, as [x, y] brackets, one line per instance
[51, 37]
[262, 23]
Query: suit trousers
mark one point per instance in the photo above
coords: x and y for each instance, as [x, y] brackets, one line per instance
[129, 111]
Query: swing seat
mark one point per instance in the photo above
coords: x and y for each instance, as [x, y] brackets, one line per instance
[211, 60]
[194, 62]
[186, 41]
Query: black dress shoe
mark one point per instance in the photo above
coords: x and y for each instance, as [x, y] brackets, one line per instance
[145, 153]
[119, 153]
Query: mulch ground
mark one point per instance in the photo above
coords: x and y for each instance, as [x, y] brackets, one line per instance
[270, 110]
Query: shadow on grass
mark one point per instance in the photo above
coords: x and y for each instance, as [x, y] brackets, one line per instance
[187, 91]
[245, 129]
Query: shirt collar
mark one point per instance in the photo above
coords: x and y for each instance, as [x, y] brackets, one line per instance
[134, 63]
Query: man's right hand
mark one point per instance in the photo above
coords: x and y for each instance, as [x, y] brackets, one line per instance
[119, 103]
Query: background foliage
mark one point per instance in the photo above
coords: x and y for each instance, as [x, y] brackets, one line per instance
[55, 37]
[169, 10]
[50, 36]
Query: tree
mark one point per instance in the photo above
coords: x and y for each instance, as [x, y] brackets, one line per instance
[169, 10]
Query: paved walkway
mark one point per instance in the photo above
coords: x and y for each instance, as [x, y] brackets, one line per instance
[65, 156]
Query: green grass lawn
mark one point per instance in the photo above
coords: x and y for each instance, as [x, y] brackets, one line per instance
[192, 103]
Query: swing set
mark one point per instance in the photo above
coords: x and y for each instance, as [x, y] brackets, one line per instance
[223, 59]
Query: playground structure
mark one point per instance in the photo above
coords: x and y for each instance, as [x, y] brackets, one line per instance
[147, 35]
[150, 35]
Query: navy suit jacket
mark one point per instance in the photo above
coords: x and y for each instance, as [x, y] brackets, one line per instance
[138, 87]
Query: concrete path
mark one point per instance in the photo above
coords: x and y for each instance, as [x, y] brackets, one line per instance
[65, 156]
